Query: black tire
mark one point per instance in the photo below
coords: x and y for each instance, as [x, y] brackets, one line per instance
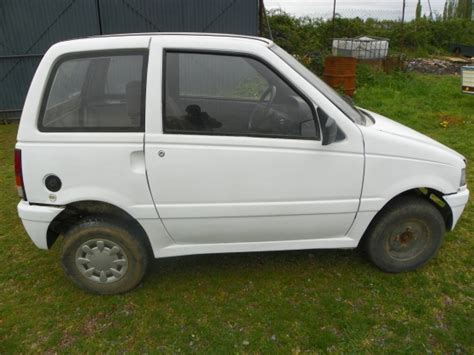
[108, 236]
[405, 235]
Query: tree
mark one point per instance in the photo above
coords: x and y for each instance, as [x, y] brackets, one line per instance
[463, 9]
[418, 10]
[457, 9]
[451, 5]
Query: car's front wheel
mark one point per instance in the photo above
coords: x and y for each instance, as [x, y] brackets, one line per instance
[405, 235]
[102, 256]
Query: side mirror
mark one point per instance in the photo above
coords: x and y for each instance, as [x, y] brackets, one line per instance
[329, 127]
[329, 131]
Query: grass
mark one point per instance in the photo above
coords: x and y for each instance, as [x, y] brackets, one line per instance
[318, 301]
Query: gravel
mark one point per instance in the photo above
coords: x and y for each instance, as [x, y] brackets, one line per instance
[436, 66]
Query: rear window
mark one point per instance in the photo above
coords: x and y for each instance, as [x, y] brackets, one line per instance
[96, 92]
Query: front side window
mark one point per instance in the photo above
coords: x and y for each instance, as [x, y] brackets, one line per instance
[95, 93]
[222, 94]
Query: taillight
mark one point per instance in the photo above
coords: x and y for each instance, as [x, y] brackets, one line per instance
[19, 175]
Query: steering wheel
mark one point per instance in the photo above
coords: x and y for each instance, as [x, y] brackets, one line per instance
[266, 105]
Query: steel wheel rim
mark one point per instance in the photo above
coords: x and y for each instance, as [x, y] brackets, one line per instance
[408, 240]
[101, 261]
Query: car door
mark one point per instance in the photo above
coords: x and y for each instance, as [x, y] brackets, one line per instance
[239, 157]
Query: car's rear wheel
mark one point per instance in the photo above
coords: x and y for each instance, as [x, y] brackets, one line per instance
[102, 256]
[405, 235]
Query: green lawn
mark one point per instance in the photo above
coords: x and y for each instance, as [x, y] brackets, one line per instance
[318, 301]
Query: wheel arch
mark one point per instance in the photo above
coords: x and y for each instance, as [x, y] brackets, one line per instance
[431, 195]
[75, 211]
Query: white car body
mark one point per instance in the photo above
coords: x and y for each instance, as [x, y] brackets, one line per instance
[195, 194]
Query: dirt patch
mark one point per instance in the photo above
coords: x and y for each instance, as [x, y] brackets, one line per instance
[447, 121]
[448, 66]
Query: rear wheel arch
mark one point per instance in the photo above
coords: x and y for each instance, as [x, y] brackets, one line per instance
[76, 211]
[103, 256]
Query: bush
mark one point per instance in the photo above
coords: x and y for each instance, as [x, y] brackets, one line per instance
[311, 38]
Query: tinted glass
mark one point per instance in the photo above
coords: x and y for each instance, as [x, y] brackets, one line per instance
[100, 93]
[232, 95]
[211, 76]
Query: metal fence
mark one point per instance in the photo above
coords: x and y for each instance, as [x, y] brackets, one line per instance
[382, 10]
[29, 28]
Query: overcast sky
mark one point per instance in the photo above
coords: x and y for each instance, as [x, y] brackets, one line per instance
[386, 9]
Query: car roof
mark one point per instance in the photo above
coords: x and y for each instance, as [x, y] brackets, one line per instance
[197, 34]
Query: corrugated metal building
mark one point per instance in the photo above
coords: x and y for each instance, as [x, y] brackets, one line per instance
[29, 28]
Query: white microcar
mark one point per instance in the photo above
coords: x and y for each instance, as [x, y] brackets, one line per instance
[158, 145]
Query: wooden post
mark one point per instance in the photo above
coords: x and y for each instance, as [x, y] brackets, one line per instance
[402, 39]
[431, 11]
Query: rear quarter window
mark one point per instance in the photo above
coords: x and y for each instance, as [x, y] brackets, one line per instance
[94, 91]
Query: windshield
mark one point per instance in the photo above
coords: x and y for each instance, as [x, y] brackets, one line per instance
[343, 104]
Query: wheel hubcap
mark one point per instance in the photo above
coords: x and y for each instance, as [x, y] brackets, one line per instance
[101, 261]
[409, 240]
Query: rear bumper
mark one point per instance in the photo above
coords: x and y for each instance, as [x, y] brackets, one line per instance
[457, 202]
[36, 220]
